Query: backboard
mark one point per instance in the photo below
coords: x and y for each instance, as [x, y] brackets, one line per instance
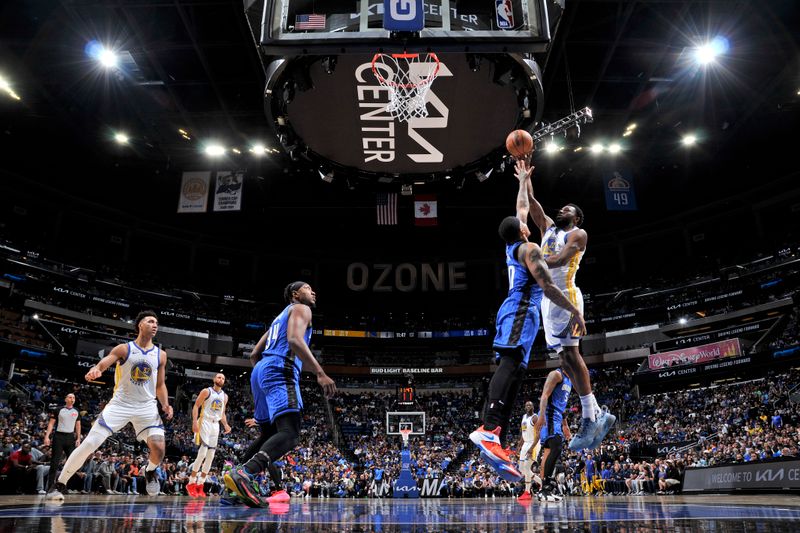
[345, 26]
[397, 420]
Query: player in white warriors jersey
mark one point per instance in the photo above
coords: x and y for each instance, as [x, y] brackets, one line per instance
[213, 402]
[563, 246]
[529, 447]
[138, 383]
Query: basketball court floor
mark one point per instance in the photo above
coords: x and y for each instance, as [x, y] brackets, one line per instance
[719, 513]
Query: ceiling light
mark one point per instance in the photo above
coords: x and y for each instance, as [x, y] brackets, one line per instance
[631, 126]
[236, 151]
[596, 148]
[551, 147]
[682, 321]
[107, 58]
[578, 149]
[183, 131]
[709, 52]
[6, 87]
[214, 150]
[258, 149]
[35, 316]
[688, 140]
[614, 148]
[121, 138]
[627, 133]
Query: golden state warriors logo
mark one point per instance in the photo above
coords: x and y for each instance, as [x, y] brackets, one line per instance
[549, 246]
[141, 373]
[216, 405]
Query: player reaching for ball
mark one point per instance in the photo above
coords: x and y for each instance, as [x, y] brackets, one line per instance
[517, 325]
[563, 246]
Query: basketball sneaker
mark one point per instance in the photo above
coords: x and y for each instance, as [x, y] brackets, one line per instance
[190, 489]
[240, 482]
[547, 496]
[280, 496]
[504, 469]
[525, 496]
[199, 492]
[489, 444]
[57, 494]
[605, 421]
[153, 485]
[585, 436]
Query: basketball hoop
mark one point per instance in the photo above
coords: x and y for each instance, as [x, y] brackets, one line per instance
[405, 434]
[408, 78]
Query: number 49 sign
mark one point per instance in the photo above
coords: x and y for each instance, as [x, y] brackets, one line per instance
[619, 193]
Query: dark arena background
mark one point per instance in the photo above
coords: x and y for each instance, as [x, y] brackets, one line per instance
[193, 157]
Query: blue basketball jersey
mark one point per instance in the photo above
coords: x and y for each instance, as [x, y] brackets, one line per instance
[556, 405]
[519, 277]
[277, 345]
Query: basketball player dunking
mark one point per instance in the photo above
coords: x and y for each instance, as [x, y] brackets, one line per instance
[517, 325]
[138, 382]
[528, 447]
[552, 428]
[276, 386]
[563, 246]
[213, 402]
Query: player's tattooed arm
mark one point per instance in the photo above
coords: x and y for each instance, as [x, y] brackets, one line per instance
[523, 173]
[541, 273]
[541, 220]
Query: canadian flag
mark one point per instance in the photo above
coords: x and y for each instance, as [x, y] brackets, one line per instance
[425, 210]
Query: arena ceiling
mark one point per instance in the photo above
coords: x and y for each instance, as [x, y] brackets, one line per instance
[191, 65]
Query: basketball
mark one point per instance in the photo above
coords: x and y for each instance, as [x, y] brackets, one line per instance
[519, 143]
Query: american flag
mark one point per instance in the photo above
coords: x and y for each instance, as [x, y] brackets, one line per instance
[309, 22]
[387, 209]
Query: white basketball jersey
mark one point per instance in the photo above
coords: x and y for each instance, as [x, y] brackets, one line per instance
[553, 242]
[212, 407]
[135, 379]
[527, 428]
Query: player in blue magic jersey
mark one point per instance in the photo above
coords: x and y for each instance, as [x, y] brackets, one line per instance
[517, 325]
[552, 428]
[275, 383]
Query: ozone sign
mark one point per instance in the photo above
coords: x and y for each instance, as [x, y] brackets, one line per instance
[343, 117]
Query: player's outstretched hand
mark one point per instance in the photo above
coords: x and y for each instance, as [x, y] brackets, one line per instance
[522, 170]
[227, 429]
[93, 373]
[579, 329]
[327, 384]
[250, 422]
[168, 412]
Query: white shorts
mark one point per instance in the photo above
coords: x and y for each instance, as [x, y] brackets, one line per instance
[145, 419]
[209, 434]
[558, 322]
[524, 453]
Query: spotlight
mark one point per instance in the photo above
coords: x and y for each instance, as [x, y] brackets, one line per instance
[327, 177]
[596, 148]
[688, 140]
[614, 148]
[6, 87]
[121, 138]
[709, 52]
[35, 316]
[236, 151]
[107, 58]
[682, 321]
[578, 149]
[551, 147]
[214, 150]
[627, 133]
[631, 126]
[258, 150]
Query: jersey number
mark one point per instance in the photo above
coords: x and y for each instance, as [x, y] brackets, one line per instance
[272, 336]
[511, 276]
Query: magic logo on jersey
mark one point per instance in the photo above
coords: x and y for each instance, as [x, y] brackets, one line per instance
[141, 373]
[216, 405]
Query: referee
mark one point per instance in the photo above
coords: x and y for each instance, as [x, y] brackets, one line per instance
[67, 437]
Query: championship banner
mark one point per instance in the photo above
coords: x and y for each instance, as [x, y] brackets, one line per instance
[228, 190]
[696, 355]
[620, 195]
[772, 475]
[194, 192]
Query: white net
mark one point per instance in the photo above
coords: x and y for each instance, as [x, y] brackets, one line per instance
[408, 78]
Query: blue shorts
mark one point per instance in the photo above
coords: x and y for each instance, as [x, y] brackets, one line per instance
[276, 390]
[546, 432]
[517, 325]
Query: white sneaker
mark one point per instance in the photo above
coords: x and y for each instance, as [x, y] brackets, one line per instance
[54, 496]
[41, 492]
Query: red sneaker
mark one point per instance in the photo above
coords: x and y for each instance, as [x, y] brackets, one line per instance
[198, 490]
[190, 490]
[525, 496]
[489, 443]
[280, 496]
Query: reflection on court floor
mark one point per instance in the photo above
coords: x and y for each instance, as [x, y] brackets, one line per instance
[720, 513]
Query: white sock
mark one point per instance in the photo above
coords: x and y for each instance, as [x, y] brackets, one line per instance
[150, 466]
[589, 406]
